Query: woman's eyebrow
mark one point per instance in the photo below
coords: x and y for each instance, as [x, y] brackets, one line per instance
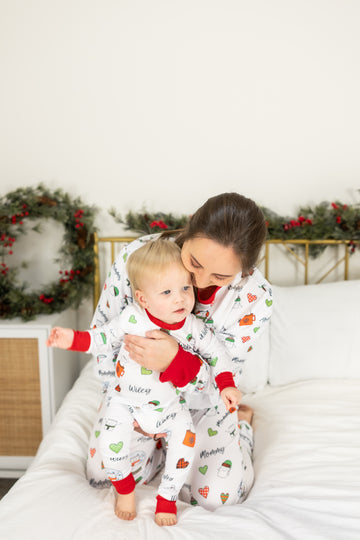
[222, 275]
[215, 273]
[196, 261]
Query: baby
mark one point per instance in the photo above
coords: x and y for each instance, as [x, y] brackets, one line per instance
[164, 298]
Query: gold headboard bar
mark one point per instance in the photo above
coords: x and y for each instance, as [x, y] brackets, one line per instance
[112, 240]
[304, 261]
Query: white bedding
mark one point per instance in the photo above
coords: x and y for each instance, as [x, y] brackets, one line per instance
[307, 470]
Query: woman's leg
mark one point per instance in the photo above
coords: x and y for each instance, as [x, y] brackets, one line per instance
[222, 471]
[147, 455]
[245, 415]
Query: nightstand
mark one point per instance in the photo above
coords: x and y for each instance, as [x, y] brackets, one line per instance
[33, 382]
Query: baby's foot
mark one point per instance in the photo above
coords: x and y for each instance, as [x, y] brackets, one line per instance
[164, 519]
[245, 413]
[125, 507]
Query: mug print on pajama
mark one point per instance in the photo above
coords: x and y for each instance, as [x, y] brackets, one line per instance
[157, 406]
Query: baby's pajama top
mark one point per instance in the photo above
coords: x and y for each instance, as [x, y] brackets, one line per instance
[141, 395]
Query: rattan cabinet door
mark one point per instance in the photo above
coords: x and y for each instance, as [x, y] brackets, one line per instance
[33, 381]
[26, 396]
[20, 399]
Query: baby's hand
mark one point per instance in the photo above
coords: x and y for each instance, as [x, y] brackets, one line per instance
[231, 396]
[60, 337]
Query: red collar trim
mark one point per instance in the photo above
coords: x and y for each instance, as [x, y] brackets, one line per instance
[162, 324]
[207, 296]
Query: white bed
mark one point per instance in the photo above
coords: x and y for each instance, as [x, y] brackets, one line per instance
[303, 382]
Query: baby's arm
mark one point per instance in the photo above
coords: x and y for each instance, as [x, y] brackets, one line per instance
[60, 337]
[95, 340]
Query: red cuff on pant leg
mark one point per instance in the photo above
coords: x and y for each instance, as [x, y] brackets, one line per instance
[165, 506]
[125, 486]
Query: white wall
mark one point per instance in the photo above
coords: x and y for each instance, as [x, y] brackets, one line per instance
[164, 103]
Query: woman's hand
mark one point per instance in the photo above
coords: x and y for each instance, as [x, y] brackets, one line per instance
[155, 436]
[155, 351]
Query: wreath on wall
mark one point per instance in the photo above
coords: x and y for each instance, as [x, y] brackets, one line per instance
[76, 255]
[325, 221]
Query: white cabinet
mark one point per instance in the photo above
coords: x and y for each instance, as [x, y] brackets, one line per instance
[33, 382]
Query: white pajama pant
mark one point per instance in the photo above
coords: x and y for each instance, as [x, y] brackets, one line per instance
[119, 457]
[221, 471]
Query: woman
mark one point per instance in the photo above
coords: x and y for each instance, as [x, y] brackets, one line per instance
[219, 246]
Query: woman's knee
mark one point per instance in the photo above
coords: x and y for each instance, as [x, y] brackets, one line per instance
[210, 496]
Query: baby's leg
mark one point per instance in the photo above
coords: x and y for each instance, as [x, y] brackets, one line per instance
[125, 503]
[147, 455]
[180, 452]
[115, 441]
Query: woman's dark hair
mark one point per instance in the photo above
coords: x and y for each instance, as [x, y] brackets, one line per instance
[231, 220]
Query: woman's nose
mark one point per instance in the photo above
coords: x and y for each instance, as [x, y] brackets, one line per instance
[202, 281]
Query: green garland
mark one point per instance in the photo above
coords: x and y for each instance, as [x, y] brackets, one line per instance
[325, 221]
[149, 222]
[76, 253]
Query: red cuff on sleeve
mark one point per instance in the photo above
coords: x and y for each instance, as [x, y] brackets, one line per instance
[182, 369]
[81, 341]
[225, 379]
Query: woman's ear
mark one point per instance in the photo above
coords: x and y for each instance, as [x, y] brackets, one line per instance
[140, 297]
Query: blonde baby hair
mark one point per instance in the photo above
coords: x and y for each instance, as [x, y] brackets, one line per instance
[151, 258]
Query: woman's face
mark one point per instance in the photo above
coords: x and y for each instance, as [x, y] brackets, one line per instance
[209, 263]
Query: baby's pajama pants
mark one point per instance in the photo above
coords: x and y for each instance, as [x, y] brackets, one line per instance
[116, 447]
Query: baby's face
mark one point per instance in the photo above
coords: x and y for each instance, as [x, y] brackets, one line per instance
[169, 296]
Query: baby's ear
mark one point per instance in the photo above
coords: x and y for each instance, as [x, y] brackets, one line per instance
[140, 297]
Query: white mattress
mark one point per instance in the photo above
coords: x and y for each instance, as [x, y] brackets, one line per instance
[307, 469]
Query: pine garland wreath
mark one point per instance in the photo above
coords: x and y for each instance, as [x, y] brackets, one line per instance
[325, 221]
[76, 254]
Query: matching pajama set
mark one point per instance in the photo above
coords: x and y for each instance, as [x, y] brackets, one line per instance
[141, 395]
[221, 471]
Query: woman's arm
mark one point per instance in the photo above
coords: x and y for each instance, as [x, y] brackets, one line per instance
[243, 324]
[115, 296]
[155, 351]
[163, 353]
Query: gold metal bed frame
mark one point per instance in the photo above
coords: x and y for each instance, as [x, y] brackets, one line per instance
[290, 246]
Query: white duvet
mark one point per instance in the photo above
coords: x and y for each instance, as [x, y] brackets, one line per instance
[307, 470]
